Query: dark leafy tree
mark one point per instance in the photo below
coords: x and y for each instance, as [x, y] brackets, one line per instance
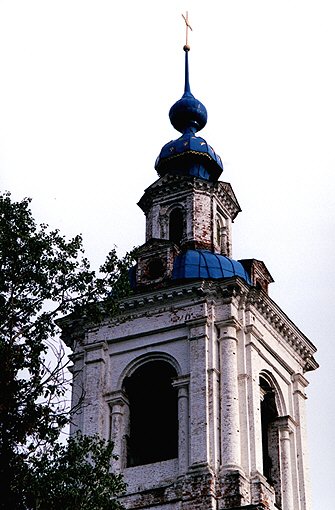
[42, 277]
[87, 485]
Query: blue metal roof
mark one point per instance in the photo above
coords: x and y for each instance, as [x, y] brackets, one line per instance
[189, 155]
[207, 265]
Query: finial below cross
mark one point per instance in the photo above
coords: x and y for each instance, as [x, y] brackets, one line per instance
[188, 26]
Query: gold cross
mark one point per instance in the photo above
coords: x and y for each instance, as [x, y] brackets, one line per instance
[188, 26]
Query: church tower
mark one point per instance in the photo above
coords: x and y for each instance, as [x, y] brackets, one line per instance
[200, 378]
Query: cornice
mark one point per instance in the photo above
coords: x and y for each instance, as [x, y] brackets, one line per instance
[227, 196]
[167, 184]
[285, 328]
[179, 184]
[164, 295]
[231, 289]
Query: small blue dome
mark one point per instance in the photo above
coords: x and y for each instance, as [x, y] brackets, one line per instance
[188, 113]
[207, 265]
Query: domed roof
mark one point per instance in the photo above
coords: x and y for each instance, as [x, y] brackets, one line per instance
[189, 154]
[207, 265]
[188, 113]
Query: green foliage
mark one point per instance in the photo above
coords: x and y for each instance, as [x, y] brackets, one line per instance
[87, 484]
[42, 277]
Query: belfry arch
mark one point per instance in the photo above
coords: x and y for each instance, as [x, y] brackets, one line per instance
[153, 413]
[271, 454]
[269, 378]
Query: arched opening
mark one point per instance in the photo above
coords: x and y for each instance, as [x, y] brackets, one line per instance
[218, 232]
[153, 407]
[270, 437]
[176, 225]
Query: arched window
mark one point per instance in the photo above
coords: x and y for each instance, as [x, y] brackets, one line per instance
[220, 235]
[270, 437]
[176, 225]
[153, 406]
[218, 232]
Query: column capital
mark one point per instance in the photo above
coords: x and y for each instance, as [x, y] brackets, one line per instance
[299, 381]
[198, 328]
[114, 398]
[286, 423]
[95, 353]
[228, 328]
[182, 381]
[200, 321]
[254, 331]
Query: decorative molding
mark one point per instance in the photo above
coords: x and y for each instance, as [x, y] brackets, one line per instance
[287, 331]
[182, 381]
[286, 423]
[93, 352]
[254, 331]
[230, 322]
[181, 184]
[300, 379]
[113, 398]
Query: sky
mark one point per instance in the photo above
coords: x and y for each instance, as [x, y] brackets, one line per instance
[85, 90]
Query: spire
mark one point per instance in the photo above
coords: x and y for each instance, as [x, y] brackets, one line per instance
[189, 154]
[187, 88]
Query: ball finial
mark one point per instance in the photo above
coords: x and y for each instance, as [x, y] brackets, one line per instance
[186, 47]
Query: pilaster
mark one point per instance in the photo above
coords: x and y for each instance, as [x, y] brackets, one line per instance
[285, 427]
[94, 406]
[182, 384]
[199, 435]
[234, 486]
[119, 412]
[230, 422]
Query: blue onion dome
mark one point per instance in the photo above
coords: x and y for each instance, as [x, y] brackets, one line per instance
[189, 154]
[188, 114]
[205, 264]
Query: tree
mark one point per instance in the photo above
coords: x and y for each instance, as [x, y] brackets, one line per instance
[42, 277]
[87, 485]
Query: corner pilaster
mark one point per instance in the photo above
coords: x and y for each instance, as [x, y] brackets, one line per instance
[94, 408]
[299, 400]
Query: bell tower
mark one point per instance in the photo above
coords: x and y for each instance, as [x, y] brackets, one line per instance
[200, 378]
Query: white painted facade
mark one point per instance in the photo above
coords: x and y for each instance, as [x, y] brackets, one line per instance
[220, 337]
